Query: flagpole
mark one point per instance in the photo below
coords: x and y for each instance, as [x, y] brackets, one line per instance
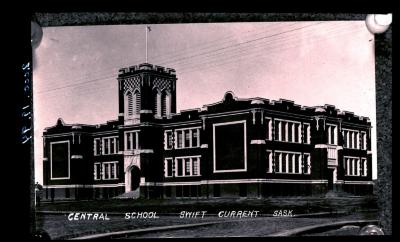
[146, 42]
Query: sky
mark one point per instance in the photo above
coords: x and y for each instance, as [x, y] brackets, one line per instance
[312, 63]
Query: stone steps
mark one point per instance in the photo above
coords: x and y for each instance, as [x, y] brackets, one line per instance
[129, 195]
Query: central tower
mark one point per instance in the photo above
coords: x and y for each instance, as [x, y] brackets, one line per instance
[146, 91]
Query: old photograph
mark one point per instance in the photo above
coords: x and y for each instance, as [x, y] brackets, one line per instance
[183, 130]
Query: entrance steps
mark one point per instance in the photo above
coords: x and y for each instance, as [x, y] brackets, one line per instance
[129, 195]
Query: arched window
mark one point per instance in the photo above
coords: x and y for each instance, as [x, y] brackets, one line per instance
[136, 104]
[157, 103]
[129, 103]
[166, 103]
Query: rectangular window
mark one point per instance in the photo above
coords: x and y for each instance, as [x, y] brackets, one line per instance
[364, 166]
[353, 166]
[331, 134]
[287, 131]
[109, 145]
[277, 130]
[307, 163]
[188, 169]
[168, 140]
[283, 131]
[187, 138]
[268, 124]
[180, 140]
[269, 161]
[278, 162]
[195, 166]
[288, 162]
[185, 166]
[195, 138]
[109, 170]
[106, 171]
[179, 167]
[363, 140]
[106, 148]
[298, 163]
[97, 146]
[351, 139]
[169, 167]
[113, 146]
[290, 132]
[97, 171]
[307, 133]
[297, 132]
[131, 140]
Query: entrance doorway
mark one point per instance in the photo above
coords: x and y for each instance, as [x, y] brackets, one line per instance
[135, 178]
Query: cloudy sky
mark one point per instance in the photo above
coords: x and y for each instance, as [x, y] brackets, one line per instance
[311, 63]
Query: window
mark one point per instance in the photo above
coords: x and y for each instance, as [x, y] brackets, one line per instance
[352, 166]
[269, 161]
[110, 145]
[166, 103]
[307, 163]
[286, 131]
[157, 104]
[97, 146]
[109, 170]
[136, 98]
[332, 134]
[168, 140]
[129, 103]
[195, 137]
[363, 140]
[132, 140]
[268, 123]
[97, 171]
[289, 162]
[307, 133]
[186, 166]
[196, 166]
[364, 167]
[187, 138]
[351, 139]
[169, 167]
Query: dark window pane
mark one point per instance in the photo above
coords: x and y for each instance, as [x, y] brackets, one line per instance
[180, 167]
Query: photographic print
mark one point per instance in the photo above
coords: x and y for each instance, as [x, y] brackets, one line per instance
[235, 129]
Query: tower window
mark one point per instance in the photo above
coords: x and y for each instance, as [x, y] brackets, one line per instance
[130, 103]
[136, 98]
